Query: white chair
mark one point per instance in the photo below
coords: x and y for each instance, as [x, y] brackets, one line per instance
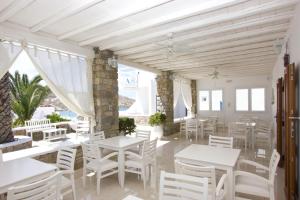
[239, 132]
[143, 134]
[217, 141]
[192, 128]
[83, 127]
[65, 161]
[97, 136]
[92, 162]
[140, 163]
[249, 183]
[264, 134]
[182, 127]
[48, 188]
[210, 126]
[182, 187]
[215, 192]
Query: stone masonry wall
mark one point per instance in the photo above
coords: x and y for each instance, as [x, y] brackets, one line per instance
[194, 96]
[105, 89]
[165, 91]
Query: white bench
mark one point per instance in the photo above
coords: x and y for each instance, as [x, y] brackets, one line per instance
[54, 133]
[49, 130]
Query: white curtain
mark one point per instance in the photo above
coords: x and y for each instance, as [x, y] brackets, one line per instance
[187, 94]
[68, 77]
[8, 54]
[176, 91]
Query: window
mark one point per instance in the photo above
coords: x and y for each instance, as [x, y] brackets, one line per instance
[258, 99]
[204, 99]
[216, 100]
[241, 100]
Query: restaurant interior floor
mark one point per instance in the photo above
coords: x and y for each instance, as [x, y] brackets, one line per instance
[167, 147]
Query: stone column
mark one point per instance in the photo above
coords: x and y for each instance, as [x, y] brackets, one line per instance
[194, 96]
[105, 89]
[165, 92]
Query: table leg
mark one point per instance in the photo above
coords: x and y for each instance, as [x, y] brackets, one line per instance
[230, 191]
[121, 162]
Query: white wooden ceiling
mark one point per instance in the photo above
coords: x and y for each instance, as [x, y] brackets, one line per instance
[235, 36]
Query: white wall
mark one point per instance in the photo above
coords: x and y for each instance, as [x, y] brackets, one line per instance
[228, 86]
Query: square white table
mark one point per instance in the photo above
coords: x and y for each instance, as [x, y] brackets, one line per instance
[221, 158]
[16, 172]
[120, 144]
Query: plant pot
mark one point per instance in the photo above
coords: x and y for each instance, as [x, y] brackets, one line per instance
[158, 131]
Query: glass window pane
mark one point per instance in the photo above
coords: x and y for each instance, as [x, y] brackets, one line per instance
[204, 99]
[258, 99]
[216, 100]
[241, 98]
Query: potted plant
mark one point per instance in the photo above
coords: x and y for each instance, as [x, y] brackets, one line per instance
[126, 125]
[157, 121]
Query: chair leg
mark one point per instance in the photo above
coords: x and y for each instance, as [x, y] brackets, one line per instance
[84, 177]
[272, 194]
[98, 182]
[143, 172]
[73, 187]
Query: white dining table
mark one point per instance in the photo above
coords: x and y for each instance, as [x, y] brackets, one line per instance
[19, 171]
[221, 158]
[120, 144]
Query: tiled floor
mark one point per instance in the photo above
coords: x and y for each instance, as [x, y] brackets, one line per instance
[110, 189]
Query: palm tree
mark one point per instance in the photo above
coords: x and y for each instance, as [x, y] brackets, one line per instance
[6, 134]
[27, 95]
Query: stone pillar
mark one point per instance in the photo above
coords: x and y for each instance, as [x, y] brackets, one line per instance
[105, 89]
[194, 96]
[165, 92]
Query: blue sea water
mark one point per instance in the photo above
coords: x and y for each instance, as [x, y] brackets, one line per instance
[68, 114]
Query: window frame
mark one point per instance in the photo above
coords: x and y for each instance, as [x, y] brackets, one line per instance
[222, 100]
[250, 99]
[235, 99]
[265, 100]
[209, 104]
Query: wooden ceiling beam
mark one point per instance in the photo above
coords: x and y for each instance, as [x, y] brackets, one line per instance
[120, 16]
[227, 45]
[217, 59]
[269, 59]
[255, 10]
[62, 13]
[201, 8]
[14, 8]
[207, 35]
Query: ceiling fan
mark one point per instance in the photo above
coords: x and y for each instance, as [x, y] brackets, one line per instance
[170, 48]
[216, 74]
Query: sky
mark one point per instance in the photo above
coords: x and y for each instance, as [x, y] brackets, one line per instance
[24, 65]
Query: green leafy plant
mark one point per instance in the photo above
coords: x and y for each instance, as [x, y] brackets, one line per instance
[27, 95]
[157, 119]
[54, 117]
[126, 125]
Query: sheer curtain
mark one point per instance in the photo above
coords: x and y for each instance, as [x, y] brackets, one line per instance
[8, 54]
[69, 78]
[176, 91]
[187, 94]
